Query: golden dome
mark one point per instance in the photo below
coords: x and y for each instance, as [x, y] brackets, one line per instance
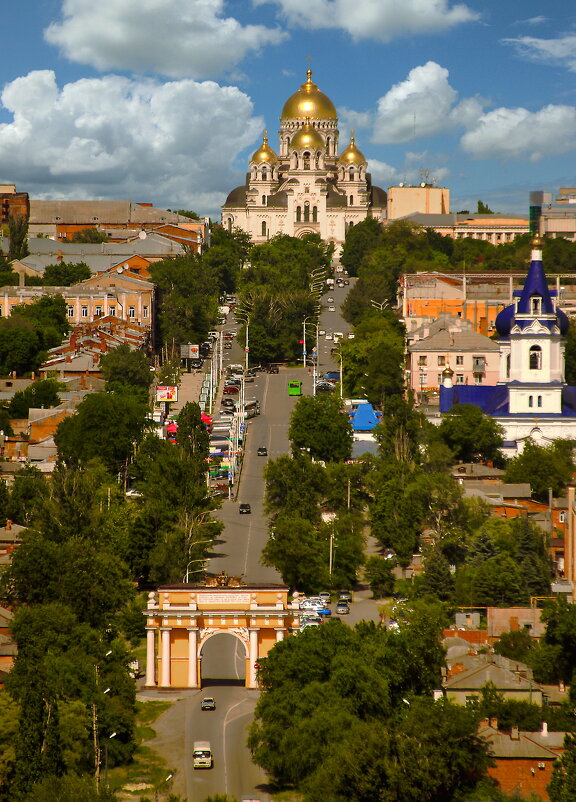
[307, 137]
[264, 152]
[309, 101]
[351, 155]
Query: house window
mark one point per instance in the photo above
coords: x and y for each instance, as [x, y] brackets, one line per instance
[441, 361]
[70, 311]
[562, 517]
[536, 306]
[263, 228]
[479, 364]
[459, 360]
[530, 400]
[439, 378]
[112, 311]
[98, 311]
[423, 379]
[422, 360]
[132, 311]
[539, 401]
[84, 311]
[459, 378]
[478, 378]
[535, 357]
[298, 214]
[144, 311]
[351, 200]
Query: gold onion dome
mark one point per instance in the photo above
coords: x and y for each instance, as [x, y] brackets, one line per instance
[351, 155]
[307, 137]
[309, 101]
[264, 152]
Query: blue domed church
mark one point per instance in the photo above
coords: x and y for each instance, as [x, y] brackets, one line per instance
[531, 399]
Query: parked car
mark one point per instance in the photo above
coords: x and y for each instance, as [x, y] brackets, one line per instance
[230, 389]
[324, 387]
[342, 608]
[273, 369]
[227, 346]
[309, 625]
[324, 595]
[324, 611]
[245, 509]
[208, 703]
[311, 604]
[262, 451]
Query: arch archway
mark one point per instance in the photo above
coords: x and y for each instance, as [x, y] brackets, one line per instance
[223, 658]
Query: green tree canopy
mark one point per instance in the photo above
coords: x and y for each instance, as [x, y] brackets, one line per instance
[543, 467]
[470, 434]
[93, 235]
[63, 274]
[124, 367]
[41, 394]
[320, 426]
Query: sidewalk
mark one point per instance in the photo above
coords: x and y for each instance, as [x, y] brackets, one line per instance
[189, 390]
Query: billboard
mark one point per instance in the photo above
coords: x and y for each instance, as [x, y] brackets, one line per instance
[189, 351]
[167, 393]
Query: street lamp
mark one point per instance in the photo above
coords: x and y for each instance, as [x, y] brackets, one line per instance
[106, 742]
[380, 305]
[160, 784]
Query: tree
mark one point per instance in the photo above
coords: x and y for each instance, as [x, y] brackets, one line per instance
[360, 239]
[89, 235]
[18, 233]
[299, 552]
[515, 645]
[294, 485]
[192, 433]
[483, 208]
[42, 394]
[378, 573]
[437, 579]
[562, 786]
[106, 426]
[124, 367]
[543, 467]
[498, 582]
[64, 274]
[470, 434]
[320, 426]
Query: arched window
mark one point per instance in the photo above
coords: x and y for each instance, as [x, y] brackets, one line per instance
[508, 366]
[306, 163]
[536, 305]
[535, 357]
[351, 199]
[263, 200]
[307, 213]
[263, 228]
[264, 173]
[351, 174]
[314, 214]
[539, 400]
[295, 155]
[298, 214]
[530, 401]
[328, 151]
[229, 224]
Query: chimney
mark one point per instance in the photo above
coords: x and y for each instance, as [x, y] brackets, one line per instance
[494, 723]
[59, 256]
[8, 524]
[544, 728]
[515, 734]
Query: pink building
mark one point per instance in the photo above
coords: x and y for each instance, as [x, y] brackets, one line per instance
[450, 344]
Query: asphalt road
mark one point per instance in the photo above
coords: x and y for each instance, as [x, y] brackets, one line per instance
[237, 552]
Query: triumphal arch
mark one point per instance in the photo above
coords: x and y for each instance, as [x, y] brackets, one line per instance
[182, 617]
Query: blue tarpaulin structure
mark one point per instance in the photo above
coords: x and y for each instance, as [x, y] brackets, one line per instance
[365, 418]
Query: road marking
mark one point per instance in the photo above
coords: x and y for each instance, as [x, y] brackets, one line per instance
[224, 725]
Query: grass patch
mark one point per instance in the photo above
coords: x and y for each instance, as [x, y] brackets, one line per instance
[147, 767]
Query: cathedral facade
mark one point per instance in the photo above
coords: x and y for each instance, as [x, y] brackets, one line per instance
[309, 186]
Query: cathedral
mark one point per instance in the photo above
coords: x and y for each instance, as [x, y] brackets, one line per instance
[308, 187]
[531, 398]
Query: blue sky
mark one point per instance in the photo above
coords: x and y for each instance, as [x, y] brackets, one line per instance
[164, 100]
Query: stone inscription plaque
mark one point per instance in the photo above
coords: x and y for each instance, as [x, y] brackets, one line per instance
[227, 598]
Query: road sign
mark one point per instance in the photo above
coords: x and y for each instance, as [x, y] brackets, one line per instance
[305, 352]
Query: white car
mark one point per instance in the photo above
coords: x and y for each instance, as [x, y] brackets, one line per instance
[338, 334]
[311, 603]
[331, 308]
[350, 335]
[329, 335]
[321, 332]
[330, 300]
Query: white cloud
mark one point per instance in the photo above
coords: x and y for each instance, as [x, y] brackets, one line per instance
[560, 51]
[383, 175]
[521, 134]
[191, 39]
[422, 106]
[382, 20]
[112, 137]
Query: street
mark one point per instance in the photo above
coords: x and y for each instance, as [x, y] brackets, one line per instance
[237, 551]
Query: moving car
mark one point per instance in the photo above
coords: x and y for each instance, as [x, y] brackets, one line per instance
[262, 451]
[331, 308]
[342, 608]
[321, 332]
[208, 703]
[344, 595]
[272, 368]
[329, 335]
[245, 509]
[202, 755]
[324, 387]
[330, 300]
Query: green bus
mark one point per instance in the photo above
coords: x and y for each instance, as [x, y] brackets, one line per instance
[294, 387]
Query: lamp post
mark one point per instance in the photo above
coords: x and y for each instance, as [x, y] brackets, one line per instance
[106, 742]
[188, 572]
[160, 784]
[380, 305]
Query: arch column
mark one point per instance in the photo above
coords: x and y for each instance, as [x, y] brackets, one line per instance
[150, 656]
[165, 679]
[192, 657]
[252, 658]
[279, 634]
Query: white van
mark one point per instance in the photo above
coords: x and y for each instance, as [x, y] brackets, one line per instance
[202, 757]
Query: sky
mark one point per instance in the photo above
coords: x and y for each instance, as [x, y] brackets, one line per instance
[163, 101]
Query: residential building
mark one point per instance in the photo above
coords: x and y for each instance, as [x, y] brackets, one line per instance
[449, 344]
[424, 198]
[554, 217]
[12, 203]
[309, 186]
[496, 229]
